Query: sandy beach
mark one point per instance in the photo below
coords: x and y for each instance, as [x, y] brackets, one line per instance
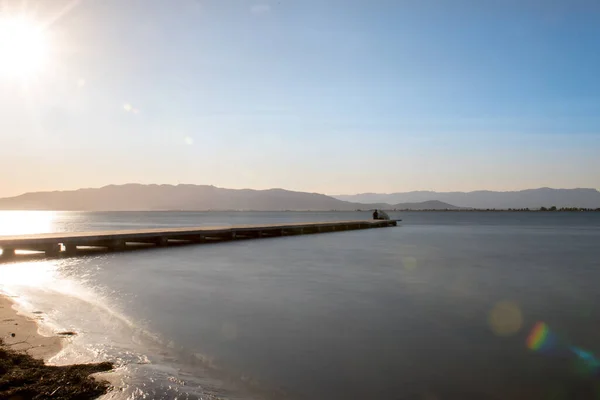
[24, 373]
[20, 333]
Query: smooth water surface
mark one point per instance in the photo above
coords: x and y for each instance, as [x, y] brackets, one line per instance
[439, 307]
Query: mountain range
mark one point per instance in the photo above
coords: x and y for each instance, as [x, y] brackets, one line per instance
[531, 198]
[131, 197]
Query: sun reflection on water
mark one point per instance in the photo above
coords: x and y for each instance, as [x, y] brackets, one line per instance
[36, 274]
[25, 222]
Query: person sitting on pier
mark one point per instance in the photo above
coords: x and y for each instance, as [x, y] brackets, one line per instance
[375, 215]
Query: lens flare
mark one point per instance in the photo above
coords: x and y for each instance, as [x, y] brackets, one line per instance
[537, 336]
[505, 318]
[542, 340]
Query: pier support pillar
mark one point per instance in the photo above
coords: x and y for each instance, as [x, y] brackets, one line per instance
[161, 241]
[8, 252]
[117, 245]
[70, 248]
[199, 239]
[52, 250]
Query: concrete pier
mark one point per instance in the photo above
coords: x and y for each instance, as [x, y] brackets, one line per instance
[75, 242]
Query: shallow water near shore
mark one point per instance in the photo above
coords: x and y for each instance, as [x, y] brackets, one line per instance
[440, 306]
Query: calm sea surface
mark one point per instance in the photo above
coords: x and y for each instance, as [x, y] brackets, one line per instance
[440, 307]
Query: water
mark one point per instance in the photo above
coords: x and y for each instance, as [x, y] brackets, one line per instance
[437, 308]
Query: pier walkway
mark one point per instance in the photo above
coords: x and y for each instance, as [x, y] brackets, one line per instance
[55, 244]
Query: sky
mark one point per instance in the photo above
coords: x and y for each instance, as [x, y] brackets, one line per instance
[336, 97]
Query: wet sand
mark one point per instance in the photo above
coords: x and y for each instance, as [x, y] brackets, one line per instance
[20, 333]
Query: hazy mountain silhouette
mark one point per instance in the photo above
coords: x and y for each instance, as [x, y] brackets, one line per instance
[186, 197]
[425, 205]
[531, 198]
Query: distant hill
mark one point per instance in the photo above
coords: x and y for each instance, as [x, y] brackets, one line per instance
[173, 197]
[531, 198]
[425, 205]
[136, 197]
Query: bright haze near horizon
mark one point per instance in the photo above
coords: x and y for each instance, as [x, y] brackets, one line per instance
[321, 96]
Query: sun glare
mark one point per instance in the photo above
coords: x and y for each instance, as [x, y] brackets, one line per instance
[26, 222]
[23, 47]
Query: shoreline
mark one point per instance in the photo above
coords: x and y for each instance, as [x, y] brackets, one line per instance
[23, 356]
[21, 333]
[29, 350]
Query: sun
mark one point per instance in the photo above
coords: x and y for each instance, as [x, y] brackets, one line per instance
[23, 47]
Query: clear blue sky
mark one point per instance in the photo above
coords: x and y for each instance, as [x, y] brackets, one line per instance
[313, 95]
